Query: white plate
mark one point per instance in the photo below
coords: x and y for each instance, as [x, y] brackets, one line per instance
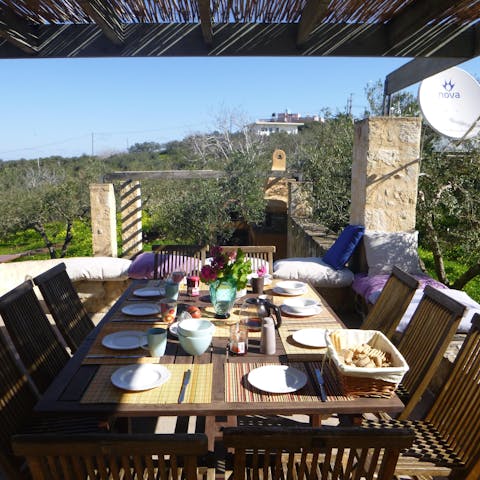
[141, 309]
[306, 313]
[149, 292]
[174, 328]
[140, 377]
[124, 340]
[277, 379]
[310, 337]
[280, 291]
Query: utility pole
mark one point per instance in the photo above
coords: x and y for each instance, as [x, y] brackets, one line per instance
[349, 105]
[92, 143]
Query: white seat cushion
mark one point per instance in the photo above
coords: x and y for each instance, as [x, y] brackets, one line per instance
[312, 269]
[78, 268]
[471, 307]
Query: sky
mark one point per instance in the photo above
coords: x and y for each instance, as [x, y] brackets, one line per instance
[70, 107]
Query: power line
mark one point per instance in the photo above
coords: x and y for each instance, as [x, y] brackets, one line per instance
[129, 132]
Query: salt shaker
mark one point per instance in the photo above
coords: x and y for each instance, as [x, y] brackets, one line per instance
[267, 340]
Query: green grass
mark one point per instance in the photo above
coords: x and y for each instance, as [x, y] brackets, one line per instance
[453, 270]
[30, 240]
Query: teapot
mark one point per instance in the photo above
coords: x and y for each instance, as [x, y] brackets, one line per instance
[255, 309]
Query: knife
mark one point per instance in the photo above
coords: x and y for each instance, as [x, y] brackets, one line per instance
[186, 380]
[321, 384]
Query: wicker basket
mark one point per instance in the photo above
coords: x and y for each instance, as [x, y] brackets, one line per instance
[365, 382]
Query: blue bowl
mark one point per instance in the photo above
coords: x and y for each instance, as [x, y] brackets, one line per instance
[195, 345]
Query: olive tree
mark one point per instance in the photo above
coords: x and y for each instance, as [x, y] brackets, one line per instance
[208, 211]
[324, 157]
[45, 199]
[448, 208]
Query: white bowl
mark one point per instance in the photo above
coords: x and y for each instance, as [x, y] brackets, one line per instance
[195, 327]
[291, 286]
[300, 305]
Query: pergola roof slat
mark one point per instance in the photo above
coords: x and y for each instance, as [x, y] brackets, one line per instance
[399, 28]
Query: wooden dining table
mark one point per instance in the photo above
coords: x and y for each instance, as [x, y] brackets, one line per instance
[218, 383]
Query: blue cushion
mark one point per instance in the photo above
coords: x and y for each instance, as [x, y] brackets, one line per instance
[341, 251]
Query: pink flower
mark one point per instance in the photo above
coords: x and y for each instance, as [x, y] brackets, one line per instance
[208, 274]
[261, 272]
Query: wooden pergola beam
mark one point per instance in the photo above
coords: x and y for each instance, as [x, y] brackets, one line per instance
[417, 70]
[106, 18]
[314, 10]
[206, 21]
[17, 31]
[413, 18]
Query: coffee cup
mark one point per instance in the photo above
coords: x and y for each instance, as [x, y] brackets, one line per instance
[156, 341]
[172, 289]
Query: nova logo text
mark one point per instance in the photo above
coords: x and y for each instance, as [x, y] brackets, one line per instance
[448, 90]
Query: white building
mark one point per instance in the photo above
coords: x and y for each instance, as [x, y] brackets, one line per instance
[264, 127]
[283, 122]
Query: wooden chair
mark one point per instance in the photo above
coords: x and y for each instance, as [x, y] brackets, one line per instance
[426, 338]
[65, 305]
[168, 258]
[39, 348]
[447, 441]
[321, 453]
[112, 456]
[18, 399]
[258, 254]
[392, 303]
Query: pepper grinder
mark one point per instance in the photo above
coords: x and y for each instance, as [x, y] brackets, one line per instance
[267, 340]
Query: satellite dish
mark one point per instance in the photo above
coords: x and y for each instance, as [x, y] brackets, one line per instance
[450, 103]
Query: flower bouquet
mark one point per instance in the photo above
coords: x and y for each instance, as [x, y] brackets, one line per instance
[227, 264]
[226, 273]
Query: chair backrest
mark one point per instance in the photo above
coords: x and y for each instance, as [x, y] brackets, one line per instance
[67, 309]
[322, 453]
[425, 340]
[168, 258]
[392, 303]
[34, 338]
[258, 254]
[16, 406]
[159, 456]
[455, 412]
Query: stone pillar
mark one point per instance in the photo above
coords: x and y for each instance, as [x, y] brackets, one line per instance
[386, 157]
[131, 214]
[104, 224]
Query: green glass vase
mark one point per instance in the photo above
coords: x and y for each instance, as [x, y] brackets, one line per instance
[222, 296]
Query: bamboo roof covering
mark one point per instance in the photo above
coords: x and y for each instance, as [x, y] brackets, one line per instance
[129, 28]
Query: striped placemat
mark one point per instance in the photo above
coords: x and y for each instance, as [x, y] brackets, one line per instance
[199, 389]
[238, 389]
[98, 349]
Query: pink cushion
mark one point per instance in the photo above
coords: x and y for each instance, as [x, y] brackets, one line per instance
[142, 266]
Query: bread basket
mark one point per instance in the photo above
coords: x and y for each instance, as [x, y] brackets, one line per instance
[363, 381]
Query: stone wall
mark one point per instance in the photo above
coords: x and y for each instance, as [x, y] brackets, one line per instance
[307, 239]
[98, 296]
[385, 173]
